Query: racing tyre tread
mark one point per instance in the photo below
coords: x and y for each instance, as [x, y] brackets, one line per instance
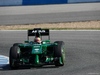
[58, 53]
[13, 55]
[16, 44]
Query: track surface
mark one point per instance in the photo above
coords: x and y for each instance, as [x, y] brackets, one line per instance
[49, 13]
[82, 53]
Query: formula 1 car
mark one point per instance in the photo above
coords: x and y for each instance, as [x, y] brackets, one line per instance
[36, 55]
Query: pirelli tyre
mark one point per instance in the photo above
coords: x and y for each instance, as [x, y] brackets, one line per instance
[16, 44]
[59, 53]
[14, 55]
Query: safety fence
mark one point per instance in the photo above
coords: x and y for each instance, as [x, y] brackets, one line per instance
[41, 2]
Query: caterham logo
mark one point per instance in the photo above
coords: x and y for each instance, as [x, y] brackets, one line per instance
[36, 46]
[36, 49]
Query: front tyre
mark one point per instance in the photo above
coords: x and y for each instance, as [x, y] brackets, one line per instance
[14, 55]
[16, 44]
[59, 53]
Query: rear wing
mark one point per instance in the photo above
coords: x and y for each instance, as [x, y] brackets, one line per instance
[38, 32]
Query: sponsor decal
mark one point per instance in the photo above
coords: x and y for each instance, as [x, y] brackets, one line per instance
[40, 31]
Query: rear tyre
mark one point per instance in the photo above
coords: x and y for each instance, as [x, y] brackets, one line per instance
[14, 55]
[59, 53]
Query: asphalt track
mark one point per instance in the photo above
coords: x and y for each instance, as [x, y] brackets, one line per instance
[82, 53]
[49, 13]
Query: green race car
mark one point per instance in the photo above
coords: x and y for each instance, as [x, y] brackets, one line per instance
[34, 54]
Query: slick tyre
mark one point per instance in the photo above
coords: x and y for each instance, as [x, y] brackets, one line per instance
[14, 54]
[16, 44]
[59, 53]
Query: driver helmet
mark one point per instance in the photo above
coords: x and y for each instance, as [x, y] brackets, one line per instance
[37, 39]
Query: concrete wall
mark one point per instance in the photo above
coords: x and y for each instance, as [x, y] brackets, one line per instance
[41, 2]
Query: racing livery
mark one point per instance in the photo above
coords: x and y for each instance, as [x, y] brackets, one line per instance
[34, 54]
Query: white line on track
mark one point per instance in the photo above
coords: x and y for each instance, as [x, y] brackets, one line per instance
[4, 59]
[53, 30]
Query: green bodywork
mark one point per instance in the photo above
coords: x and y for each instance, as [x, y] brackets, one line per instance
[31, 53]
[37, 54]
